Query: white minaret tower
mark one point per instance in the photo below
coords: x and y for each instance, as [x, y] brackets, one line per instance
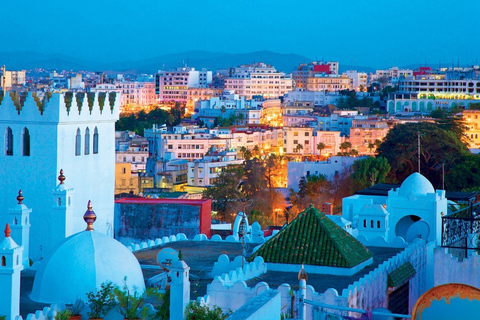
[179, 289]
[62, 210]
[10, 267]
[20, 226]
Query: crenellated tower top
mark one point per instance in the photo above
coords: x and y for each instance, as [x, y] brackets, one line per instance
[62, 107]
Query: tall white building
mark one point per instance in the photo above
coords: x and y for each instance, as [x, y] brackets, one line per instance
[173, 85]
[70, 131]
[258, 79]
[358, 80]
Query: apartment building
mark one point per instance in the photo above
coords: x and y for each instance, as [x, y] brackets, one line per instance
[309, 70]
[318, 98]
[258, 79]
[363, 134]
[205, 172]
[309, 138]
[137, 94]
[173, 85]
[472, 122]
[328, 82]
[358, 80]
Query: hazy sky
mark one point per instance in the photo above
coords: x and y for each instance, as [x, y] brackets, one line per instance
[368, 33]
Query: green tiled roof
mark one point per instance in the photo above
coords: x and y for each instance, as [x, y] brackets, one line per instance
[398, 276]
[312, 238]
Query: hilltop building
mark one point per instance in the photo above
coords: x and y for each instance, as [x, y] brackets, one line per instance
[258, 79]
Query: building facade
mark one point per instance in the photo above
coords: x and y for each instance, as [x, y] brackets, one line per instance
[258, 80]
[66, 133]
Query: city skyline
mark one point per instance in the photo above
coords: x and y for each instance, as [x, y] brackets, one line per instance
[358, 34]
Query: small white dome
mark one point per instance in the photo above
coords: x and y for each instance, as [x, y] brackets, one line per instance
[417, 185]
[80, 264]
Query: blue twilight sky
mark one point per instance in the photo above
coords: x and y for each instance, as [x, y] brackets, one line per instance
[367, 33]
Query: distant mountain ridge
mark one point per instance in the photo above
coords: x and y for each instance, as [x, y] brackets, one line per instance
[196, 59]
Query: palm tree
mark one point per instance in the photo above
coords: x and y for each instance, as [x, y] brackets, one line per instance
[370, 146]
[299, 147]
[320, 147]
[346, 145]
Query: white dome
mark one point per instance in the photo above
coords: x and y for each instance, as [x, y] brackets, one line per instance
[80, 264]
[416, 185]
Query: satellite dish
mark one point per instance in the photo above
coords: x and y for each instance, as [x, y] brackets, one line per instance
[167, 257]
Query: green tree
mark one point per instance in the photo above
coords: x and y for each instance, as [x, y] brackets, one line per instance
[345, 145]
[474, 106]
[320, 147]
[196, 311]
[370, 146]
[299, 147]
[226, 188]
[464, 174]
[438, 146]
[368, 171]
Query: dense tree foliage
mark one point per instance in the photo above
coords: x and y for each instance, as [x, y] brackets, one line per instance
[349, 101]
[140, 121]
[369, 171]
[442, 152]
[251, 188]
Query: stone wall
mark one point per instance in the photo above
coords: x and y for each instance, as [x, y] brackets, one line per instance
[156, 220]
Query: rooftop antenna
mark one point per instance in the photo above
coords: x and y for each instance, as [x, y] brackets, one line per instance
[418, 138]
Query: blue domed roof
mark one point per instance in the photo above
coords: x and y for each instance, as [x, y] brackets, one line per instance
[417, 185]
[80, 264]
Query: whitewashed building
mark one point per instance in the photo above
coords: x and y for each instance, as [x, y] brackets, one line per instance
[70, 131]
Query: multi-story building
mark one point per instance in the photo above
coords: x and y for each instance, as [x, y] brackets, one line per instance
[332, 166]
[358, 80]
[173, 85]
[309, 70]
[195, 95]
[272, 113]
[126, 181]
[328, 82]
[226, 105]
[258, 79]
[446, 86]
[472, 122]
[392, 75]
[136, 94]
[318, 98]
[336, 122]
[363, 134]
[204, 172]
[137, 159]
[426, 102]
[309, 138]
[11, 79]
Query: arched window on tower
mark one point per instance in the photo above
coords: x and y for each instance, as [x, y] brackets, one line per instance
[87, 141]
[25, 142]
[95, 141]
[8, 142]
[4, 261]
[78, 143]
